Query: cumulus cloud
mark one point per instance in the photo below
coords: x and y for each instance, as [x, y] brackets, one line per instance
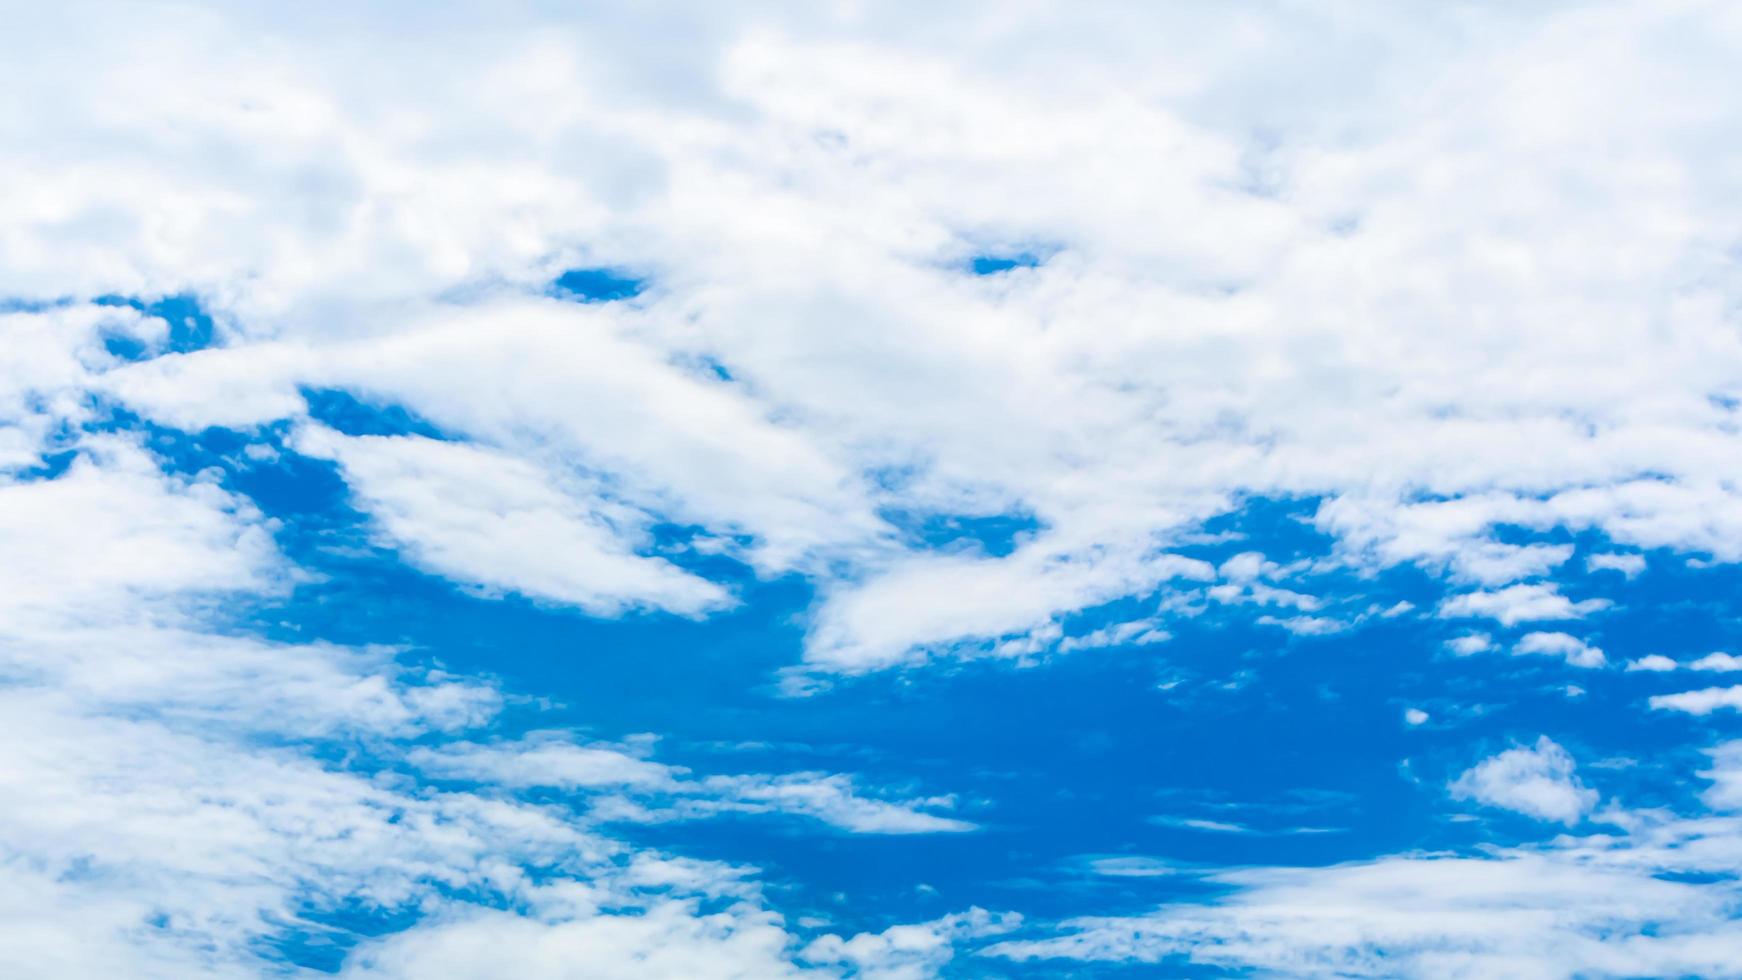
[1701, 702]
[1470, 643]
[1577, 652]
[909, 952]
[1532, 603]
[1538, 781]
[1717, 661]
[1653, 662]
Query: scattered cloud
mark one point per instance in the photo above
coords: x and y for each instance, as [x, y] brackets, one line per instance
[1531, 603]
[1652, 662]
[1700, 702]
[1629, 565]
[1538, 781]
[1577, 652]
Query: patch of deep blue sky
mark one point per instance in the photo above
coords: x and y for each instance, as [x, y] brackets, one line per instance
[1233, 743]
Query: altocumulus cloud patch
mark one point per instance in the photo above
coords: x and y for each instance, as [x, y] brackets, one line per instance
[869, 493]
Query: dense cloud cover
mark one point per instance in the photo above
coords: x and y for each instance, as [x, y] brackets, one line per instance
[983, 331]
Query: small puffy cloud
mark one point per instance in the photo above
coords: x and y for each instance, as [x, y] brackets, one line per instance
[1627, 564]
[1577, 652]
[908, 952]
[1538, 781]
[1700, 702]
[1415, 716]
[1653, 662]
[1470, 643]
[1718, 661]
[1525, 603]
[1247, 566]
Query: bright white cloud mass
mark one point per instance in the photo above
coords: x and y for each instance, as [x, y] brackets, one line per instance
[745, 490]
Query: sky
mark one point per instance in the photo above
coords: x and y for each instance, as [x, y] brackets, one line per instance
[852, 490]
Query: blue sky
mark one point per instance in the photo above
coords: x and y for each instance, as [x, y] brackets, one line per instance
[861, 492]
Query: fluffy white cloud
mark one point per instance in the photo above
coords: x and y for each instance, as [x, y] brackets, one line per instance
[1413, 316]
[1627, 565]
[802, 198]
[1577, 652]
[909, 952]
[114, 529]
[1701, 702]
[1470, 643]
[1532, 603]
[1717, 661]
[494, 520]
[1653, 662]
[1538, 781]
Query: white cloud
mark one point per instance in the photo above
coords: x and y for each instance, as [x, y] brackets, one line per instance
[1200, 824]
[114, 530]
[672, 940]
[1577, 652]
[1653, 662]
[1725, 793]
[158, 771]
[1415, 716]
[909, 952]
[1700, 702]
[547, 761]
[1628, 565]
[1538, 781]
[1605, 905]
[1524, 916]
[370, 202]
[1535, 602]
[1129, 866]
[650, 791]
[494, 520]
[1470, 643]
[1717, 661]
